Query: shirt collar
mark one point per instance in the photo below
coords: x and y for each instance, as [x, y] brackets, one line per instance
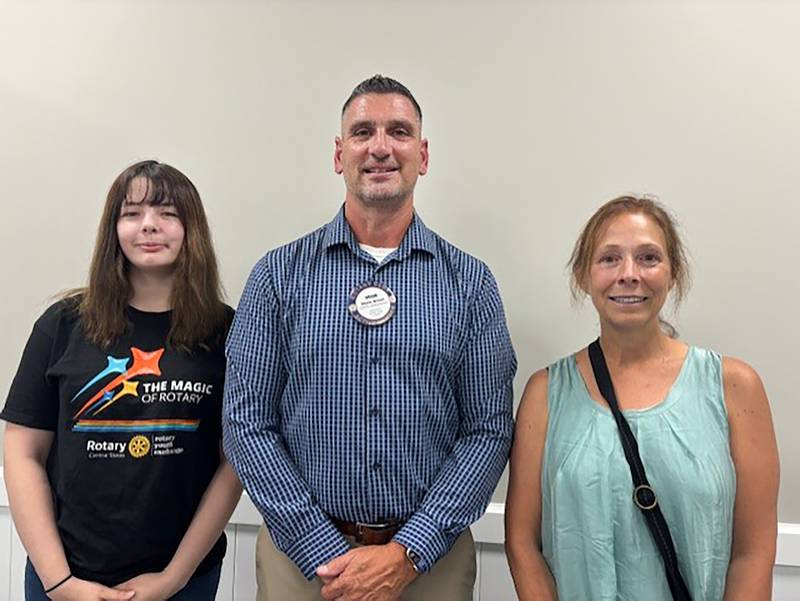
[417, 237]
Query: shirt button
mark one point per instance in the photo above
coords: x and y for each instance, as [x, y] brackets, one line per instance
[376, 466]
[374, 412]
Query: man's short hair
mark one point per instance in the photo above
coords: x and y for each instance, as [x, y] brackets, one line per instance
[380, 84]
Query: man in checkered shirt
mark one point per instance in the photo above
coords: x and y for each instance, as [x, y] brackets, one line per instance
[368, 400]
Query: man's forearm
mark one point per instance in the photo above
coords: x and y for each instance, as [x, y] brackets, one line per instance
[299, 528]
[457, 497]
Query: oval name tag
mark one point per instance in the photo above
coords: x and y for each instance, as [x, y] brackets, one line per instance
[372, 304]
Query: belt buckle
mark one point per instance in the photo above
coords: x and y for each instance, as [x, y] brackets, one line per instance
[361, 526]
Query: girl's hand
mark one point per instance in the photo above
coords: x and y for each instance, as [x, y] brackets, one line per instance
[76, 589]
[153, 586]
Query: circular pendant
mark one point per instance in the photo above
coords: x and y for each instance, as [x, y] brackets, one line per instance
[372, 304]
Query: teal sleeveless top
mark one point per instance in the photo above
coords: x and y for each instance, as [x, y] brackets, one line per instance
[594, 539]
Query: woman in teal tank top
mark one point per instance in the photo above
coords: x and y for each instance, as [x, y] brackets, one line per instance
[703, 427]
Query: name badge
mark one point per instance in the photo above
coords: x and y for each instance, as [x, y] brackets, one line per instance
[372, 304]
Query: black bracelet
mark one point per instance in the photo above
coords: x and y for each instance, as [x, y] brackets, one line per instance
[52, 588]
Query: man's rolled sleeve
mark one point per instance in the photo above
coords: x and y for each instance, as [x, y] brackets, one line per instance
[464, 486]
[252, 439]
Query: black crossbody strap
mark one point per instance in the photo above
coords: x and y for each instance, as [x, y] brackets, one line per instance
[643, 495]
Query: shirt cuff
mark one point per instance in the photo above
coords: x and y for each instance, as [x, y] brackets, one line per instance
[317, 547]
[423, 536]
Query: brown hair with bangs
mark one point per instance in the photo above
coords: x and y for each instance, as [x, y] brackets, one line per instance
[581, 259]
[198, 312]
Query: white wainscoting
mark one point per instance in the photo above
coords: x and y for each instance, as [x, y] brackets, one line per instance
[493, 583]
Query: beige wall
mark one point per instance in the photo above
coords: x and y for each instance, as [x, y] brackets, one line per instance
[536, 113]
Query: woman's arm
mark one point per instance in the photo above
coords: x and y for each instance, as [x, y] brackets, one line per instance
[755, 457]
[532, 577]
[209, 520]
[30, 499]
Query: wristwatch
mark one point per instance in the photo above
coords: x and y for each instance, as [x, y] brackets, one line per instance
[414, 559]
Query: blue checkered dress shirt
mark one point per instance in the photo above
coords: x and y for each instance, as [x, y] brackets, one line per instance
[324, 416]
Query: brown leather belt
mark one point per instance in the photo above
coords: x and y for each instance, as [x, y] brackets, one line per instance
[368, 534]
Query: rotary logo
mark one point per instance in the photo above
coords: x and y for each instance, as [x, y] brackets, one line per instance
[139, 446]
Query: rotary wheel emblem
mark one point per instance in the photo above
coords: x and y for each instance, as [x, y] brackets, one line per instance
[139, 446]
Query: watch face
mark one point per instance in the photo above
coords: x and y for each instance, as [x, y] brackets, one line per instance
[413, 558]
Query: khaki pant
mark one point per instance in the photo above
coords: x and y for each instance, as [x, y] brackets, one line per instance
[452, 578]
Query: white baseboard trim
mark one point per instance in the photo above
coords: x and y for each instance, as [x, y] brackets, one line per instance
[489, 528]
[788, 545]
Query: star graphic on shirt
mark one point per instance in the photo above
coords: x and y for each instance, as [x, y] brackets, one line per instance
[115, 366]
[128, 388]
[144, 363]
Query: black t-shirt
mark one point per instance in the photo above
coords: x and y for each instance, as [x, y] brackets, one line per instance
[137, 430]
